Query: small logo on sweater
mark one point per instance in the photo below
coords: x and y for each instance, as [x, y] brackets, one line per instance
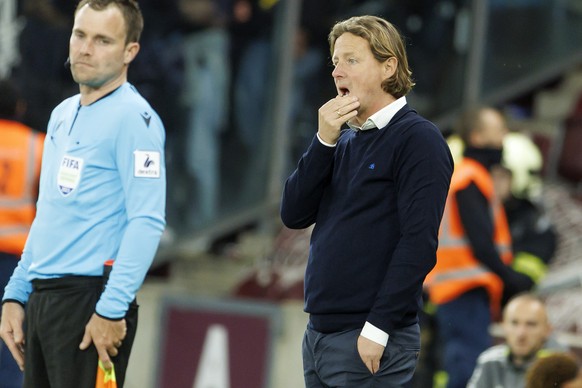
[146, 164]
[372, 166]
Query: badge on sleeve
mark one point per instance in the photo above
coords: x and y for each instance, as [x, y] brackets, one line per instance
[69, 174]
[146, 164]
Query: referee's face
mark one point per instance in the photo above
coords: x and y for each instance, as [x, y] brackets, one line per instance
[98, 52]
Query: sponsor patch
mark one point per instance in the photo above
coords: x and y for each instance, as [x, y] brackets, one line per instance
[69, 174]
[146, 164]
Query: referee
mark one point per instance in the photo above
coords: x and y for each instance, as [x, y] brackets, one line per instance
[101, 197]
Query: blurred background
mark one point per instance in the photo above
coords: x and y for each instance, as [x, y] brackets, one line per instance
[238, 84]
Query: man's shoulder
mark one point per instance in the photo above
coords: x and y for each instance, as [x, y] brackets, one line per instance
[409, 116]
[552, 345]
[132, 92]
[409, 125]
[127, 105]
[495, 354]
[131, 100]
[129, 97]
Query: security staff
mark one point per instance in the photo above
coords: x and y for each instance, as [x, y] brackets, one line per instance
[474, 254]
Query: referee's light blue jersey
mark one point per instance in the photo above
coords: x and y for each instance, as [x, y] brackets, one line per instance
[102, 196]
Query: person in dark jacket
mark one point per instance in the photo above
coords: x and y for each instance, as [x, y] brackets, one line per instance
[376, 193]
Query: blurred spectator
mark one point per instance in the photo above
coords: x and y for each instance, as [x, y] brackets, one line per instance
[10, 26]
[555, 371]
[518, 185]
[20, 156]
[310, 54]
[206, 96]
[251, 30]
[527, 337]
[474, 255]
[523, 157]
[158, 69]
[254, 53]
[44, 49]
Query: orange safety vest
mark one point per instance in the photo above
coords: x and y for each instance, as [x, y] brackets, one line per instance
[457, 269]
[20, 157]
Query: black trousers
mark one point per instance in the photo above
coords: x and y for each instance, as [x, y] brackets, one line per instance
[56, 315]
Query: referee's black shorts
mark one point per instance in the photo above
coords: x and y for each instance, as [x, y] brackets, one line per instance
[56, 314]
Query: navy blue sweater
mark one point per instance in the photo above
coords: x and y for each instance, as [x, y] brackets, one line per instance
[376, 199]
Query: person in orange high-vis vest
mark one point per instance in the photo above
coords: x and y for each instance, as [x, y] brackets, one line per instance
[458, 270]
[20, 154]
[473, 270]
[20, 157]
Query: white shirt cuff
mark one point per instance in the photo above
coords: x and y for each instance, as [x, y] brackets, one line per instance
[324, 143]
[372, 333]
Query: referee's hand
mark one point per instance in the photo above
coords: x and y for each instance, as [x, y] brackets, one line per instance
[106, 335]
[11, 330]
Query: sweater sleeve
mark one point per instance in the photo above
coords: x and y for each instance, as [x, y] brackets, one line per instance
[423, 169]
[306, 185]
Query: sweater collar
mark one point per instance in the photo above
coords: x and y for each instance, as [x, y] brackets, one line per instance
[381, 118]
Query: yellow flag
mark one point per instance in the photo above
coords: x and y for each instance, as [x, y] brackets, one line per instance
[105, 378]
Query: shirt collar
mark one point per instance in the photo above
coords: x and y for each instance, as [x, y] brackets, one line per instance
[381, 118]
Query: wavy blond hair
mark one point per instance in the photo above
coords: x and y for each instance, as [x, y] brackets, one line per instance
[385, 42]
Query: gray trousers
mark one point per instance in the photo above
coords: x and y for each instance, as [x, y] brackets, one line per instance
[332, 360]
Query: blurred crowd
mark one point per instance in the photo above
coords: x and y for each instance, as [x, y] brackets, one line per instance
[208, 67]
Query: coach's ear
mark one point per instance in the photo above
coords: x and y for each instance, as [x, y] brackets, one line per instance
[390, 66]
